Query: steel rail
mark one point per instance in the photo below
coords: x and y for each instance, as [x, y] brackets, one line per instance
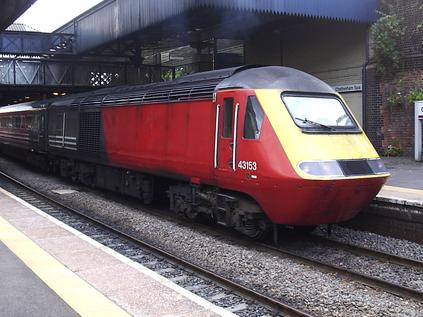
[265, 300]
[383, 285]
[381, 255]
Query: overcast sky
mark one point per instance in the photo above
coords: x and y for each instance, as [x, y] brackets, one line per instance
[48, 15]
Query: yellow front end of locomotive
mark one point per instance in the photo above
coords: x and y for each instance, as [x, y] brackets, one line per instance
[321, 145]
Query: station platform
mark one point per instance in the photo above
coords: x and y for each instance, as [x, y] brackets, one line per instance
[405, 186]
[50, 269]
[401, 196]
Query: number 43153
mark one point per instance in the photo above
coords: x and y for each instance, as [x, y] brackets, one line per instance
[247, 165]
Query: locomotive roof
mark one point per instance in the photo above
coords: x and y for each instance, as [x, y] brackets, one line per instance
[190, 87]
[276, 77]
[201, 86]
[198, 86]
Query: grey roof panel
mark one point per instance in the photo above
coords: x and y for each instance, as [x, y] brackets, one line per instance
[276, 77]
[21, 27]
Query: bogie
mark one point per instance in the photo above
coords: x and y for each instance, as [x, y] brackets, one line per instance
[226, 209]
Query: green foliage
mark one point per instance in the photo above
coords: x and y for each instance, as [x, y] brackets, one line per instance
[395, 99]
[392, 150]
[415, 95]
[387, 33]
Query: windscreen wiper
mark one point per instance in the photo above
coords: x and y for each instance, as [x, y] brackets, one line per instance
[305, 120]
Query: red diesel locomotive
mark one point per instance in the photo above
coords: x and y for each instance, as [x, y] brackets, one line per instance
[244, 146]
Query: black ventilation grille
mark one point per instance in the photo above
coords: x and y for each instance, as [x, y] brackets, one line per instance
[190, 87]
[92, 100]
[89, 131]
[185, 92]
[355, 167]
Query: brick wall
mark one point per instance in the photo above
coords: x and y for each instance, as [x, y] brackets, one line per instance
[394, 124]
[411, 14]
[398, 119]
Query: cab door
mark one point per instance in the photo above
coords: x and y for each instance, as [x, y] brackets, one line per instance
[227, 126]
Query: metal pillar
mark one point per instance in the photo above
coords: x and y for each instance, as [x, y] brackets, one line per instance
[418, 126]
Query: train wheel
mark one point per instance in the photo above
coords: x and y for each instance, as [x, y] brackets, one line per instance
[256, 230]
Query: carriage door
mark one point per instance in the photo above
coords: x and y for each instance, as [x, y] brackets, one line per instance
[42, 128]
[38, 128]
[227, 135]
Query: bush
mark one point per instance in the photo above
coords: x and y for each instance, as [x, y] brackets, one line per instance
[392, 150]
[394, 99]
[387, 33]
[415, 95]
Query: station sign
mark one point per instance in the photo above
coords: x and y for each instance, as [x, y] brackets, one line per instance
[419, 109]
[348, 88]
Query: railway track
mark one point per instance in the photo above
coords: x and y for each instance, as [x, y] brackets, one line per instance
[296, 251]
[235, 297]
[275, 305]
[364, 251]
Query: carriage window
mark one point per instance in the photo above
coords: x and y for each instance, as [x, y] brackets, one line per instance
[17, 122]
[34, 123]
[27, 122]
[228, 108]
[253, 119]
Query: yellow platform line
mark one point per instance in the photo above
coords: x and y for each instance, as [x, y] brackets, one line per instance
[404, 190]
[78, 294]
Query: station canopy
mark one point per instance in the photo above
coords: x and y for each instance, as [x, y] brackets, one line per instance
[10, 10]
[153, 20]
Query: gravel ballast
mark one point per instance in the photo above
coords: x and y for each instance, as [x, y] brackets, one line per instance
[306, 287]
[400, 274]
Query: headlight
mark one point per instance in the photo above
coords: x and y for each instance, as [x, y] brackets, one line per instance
[323, 168]
[343, 168]
[377, 166]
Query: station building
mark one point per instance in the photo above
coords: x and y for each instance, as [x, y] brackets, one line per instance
[322, 37]
[133, 41]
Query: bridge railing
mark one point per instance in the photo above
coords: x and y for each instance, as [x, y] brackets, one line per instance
[12, 42]
[46, 72]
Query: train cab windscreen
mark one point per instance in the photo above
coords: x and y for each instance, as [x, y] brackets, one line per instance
[320, 113]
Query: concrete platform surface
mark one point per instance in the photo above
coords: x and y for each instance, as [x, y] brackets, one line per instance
[405, 186]
[405, 172]
[401, 196]
[81, 276]
[19, 285]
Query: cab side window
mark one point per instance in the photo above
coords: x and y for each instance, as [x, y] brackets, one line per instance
[253, 119]
[228, 108]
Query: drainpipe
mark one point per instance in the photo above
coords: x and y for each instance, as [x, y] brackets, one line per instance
[364, 79]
